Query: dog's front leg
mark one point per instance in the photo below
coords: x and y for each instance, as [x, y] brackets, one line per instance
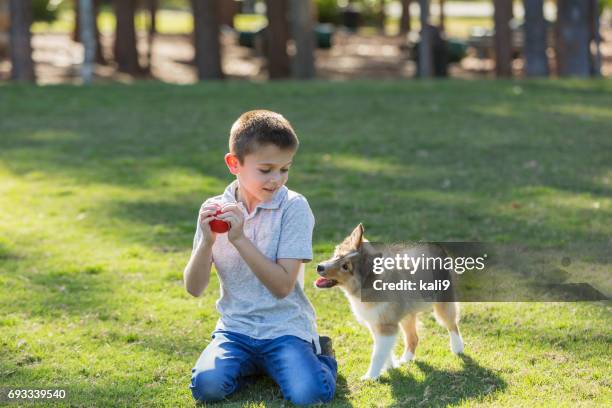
[384, 340]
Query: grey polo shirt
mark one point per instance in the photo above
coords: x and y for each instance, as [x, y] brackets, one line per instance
[280, 228]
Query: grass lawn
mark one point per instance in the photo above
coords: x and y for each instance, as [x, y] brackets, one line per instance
[100, 188]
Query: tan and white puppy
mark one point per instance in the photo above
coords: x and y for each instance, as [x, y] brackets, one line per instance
[347, 268]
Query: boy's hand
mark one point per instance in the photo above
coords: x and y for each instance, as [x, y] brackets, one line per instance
[233, 214]
[206, 216]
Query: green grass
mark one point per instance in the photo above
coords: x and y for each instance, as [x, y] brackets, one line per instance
[100, 187]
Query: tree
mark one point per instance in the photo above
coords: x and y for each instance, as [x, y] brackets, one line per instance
[277, 34]
[126, 53]
[595, 37]
[207, 45]
[22, 66]
[88, 38]
[301, 13]
[405, 18]
[152, 6]
[442, 16]
[227, 11]
[76, 34]
[381, 16]
[573, 38]
[536, 61]
[503, 38]
[425, 68]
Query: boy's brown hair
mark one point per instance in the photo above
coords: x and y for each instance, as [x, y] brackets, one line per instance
[256, 128]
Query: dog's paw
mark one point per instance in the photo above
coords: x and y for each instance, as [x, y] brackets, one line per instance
[456, 343]
[369, 377]
[395, 363]
[406, 357]
[392, 362]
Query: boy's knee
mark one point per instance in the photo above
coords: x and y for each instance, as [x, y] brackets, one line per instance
[306, 392]
[209, 386]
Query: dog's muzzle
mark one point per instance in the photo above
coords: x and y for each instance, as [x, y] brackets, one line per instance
[322, 282]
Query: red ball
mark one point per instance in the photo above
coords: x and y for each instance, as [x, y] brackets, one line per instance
[219, 226]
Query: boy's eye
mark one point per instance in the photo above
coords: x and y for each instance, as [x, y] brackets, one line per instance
[268, 170]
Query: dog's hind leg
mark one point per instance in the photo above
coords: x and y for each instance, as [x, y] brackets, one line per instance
[384, 340]
[411, 338]
[447, 314]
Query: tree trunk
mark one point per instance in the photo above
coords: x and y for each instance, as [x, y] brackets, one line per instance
[535, 36]
[382, 16]
[277, 34]
[76, 34]
[595, 37]
[207, 44]
[301, 13]
[88, 38]
[442, 16]
[126, 52]
[405, 18]
[503, 38]
[425, 68]
[573, 38]
[227, 11]
[152, 6]
[99, 54]
[20, 15]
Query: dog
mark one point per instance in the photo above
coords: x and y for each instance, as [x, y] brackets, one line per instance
[347, 268]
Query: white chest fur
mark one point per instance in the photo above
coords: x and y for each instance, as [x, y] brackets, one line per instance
[366, 313]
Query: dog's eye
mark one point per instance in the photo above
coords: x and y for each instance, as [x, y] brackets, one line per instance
[345, 266]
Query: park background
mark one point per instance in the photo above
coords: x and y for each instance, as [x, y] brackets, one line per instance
[102, 174]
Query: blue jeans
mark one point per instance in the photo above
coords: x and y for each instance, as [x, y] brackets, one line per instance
[303, 376]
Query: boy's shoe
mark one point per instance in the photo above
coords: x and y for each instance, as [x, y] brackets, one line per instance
[326, 347]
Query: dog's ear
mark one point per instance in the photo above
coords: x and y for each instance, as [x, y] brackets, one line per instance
[357, 236]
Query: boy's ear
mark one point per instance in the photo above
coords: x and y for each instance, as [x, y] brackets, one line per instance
[232, 163]
[356, 236]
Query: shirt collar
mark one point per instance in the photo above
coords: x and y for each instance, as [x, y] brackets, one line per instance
[229, 196]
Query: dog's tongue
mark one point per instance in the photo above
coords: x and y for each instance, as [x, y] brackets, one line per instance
[324, 283]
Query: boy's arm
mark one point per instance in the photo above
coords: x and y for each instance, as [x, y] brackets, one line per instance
[279, 277]
[197, 271]
[295, 247]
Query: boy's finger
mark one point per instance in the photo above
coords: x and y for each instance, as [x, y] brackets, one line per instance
[230, 210]
[230, 207]
[205, 215]
[227, 215]
[206, 220]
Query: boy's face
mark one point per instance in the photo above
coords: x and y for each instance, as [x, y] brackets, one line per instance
[263, 172]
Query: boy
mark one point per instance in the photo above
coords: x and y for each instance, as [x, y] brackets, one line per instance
[267, 324]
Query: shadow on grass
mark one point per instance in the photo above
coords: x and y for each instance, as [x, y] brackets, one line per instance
[442, 388]
[575, 340]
